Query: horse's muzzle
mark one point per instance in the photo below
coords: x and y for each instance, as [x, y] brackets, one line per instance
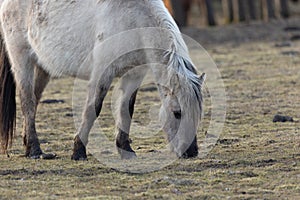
[192, 151]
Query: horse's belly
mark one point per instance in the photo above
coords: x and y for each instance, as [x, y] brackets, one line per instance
[62, 37]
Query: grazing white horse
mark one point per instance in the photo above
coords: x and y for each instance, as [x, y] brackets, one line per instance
[45, 38]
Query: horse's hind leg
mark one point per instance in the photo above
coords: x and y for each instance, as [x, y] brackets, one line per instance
[30, 89]
[23, 68]
[41, 79]
[128, 91]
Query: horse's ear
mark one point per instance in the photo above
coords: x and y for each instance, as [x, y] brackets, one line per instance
[164, 90]
[202, 78]
[175, 83]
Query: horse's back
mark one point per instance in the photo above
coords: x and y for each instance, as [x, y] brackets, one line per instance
[63, 34]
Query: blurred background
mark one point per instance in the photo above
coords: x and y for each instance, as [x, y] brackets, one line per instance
[199, 13]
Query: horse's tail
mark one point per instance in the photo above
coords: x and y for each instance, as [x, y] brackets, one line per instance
[7, 99]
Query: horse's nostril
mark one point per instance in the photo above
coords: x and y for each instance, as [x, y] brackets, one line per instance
[177, 114]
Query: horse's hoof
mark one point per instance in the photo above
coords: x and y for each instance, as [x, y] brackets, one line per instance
[188, 154]
[35, 156]
[48, 156]
[45, 156]
[33, 152]
[78, 157]
[123, 146]
[79, 150]
[127, 155]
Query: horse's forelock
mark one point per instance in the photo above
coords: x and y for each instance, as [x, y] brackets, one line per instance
[189, 81]
[191, 99]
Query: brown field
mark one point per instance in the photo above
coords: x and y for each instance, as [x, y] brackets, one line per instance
[254, 158]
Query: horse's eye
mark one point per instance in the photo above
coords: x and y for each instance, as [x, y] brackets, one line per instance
[177, 114]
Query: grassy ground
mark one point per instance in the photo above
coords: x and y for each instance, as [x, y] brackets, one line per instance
[253, 159]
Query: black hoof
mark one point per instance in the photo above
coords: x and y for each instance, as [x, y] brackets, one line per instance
[35, 157]
[79, 150]
[48, 156]
[33, 151]
[126, 151]
[123, 145]
[44, 156]
[187, 155]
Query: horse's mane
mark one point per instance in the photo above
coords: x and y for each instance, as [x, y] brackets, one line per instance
[177, 54]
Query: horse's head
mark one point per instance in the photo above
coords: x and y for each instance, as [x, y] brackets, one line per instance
[181, 112]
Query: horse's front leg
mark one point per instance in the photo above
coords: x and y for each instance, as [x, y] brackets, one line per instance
[96, 93]
[123, 126]
[128, 90]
